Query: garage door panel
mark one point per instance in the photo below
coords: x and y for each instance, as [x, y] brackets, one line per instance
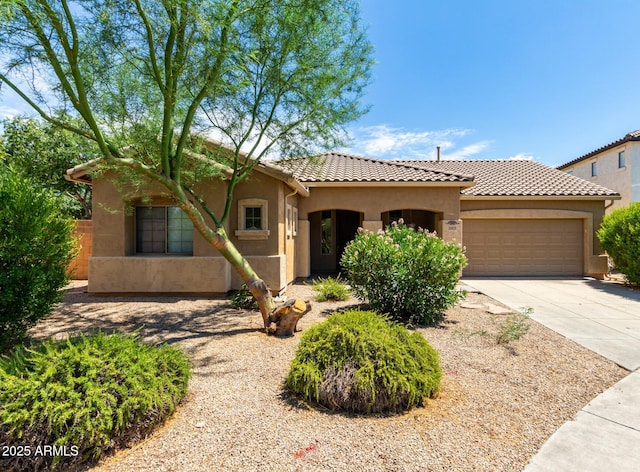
[523, 247]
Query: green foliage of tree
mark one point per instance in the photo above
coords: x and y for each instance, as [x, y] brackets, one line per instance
[619, 235]
[43, 152]
[359, 361]
[89, 394]
[36, 247]
[144, 76]
[410, 275]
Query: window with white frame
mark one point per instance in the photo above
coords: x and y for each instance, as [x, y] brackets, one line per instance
[594, 169]
[163, 230]
[253, 219]
[621, 164]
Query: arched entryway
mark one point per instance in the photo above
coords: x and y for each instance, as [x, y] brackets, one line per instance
[331, 231]
[416, 218]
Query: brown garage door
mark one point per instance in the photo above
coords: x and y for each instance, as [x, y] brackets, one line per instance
[523, 247]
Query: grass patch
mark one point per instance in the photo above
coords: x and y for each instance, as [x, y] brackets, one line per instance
[507, 329]
[359, 361]
[330, 289]
[88, 394]
[514, 326]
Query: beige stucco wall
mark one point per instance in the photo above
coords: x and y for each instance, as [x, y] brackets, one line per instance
[285, 254]
[374, 200]
[625, 181]
[371, 201]
[116, 268]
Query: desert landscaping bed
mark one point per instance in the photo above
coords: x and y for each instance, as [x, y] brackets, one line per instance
[497, 405]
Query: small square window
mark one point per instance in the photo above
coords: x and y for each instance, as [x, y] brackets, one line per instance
[621, 164]
[252, 219]
[594, 169]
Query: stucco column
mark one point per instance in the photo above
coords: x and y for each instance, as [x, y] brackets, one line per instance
[303, 249]
[450, 230]
[372, 225]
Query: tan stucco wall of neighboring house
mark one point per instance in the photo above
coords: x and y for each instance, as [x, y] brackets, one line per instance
[590, 212]
[79, 267]
[625, 180]
[116, 268]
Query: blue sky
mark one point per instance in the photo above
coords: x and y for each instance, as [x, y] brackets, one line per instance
[547, 80]
[542, 79]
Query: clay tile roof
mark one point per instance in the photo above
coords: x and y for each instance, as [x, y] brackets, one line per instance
[633, 136]
[519, 178]
[337, 167]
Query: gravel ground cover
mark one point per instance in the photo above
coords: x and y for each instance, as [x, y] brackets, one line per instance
[497, 405]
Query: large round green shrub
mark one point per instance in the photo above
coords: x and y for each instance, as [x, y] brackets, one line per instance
[36, 247]
[86, 396]
[619, 235]
[409, 274]
[358, 361]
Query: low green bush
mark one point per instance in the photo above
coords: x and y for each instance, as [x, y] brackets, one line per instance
[36, 247]
[619, 235]
[330, 289]
[243, 299]
[411, 275]
[358, 361]
[86, 396]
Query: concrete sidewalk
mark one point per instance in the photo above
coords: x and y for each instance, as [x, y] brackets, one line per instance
[605, 318]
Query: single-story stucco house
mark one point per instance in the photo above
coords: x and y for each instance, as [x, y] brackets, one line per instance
[293, 218]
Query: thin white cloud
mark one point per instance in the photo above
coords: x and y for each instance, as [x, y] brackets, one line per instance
[467, 152]
[7, 112]
[387, 142]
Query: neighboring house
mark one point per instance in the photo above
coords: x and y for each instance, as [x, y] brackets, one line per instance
[615, 166]
[293, 218]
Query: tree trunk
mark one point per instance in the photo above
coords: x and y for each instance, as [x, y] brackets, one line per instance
[285, 317]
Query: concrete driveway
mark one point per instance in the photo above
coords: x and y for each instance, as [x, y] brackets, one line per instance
[605, 318]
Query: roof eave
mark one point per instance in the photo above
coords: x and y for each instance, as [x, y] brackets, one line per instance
[540, 197]
[81, 173]
[387, 184]
[600, 150]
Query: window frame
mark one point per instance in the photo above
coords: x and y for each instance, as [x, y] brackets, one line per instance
[166, 228]
[244, 233]
[594, 168]
[621, 160]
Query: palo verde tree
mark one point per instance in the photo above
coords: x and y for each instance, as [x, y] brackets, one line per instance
[146, 76]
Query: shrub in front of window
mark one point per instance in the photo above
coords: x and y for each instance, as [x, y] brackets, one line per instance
[619, 235]
[87, 396]
[409, 274]
[358, 361]
[36, 247]
[243, 299]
